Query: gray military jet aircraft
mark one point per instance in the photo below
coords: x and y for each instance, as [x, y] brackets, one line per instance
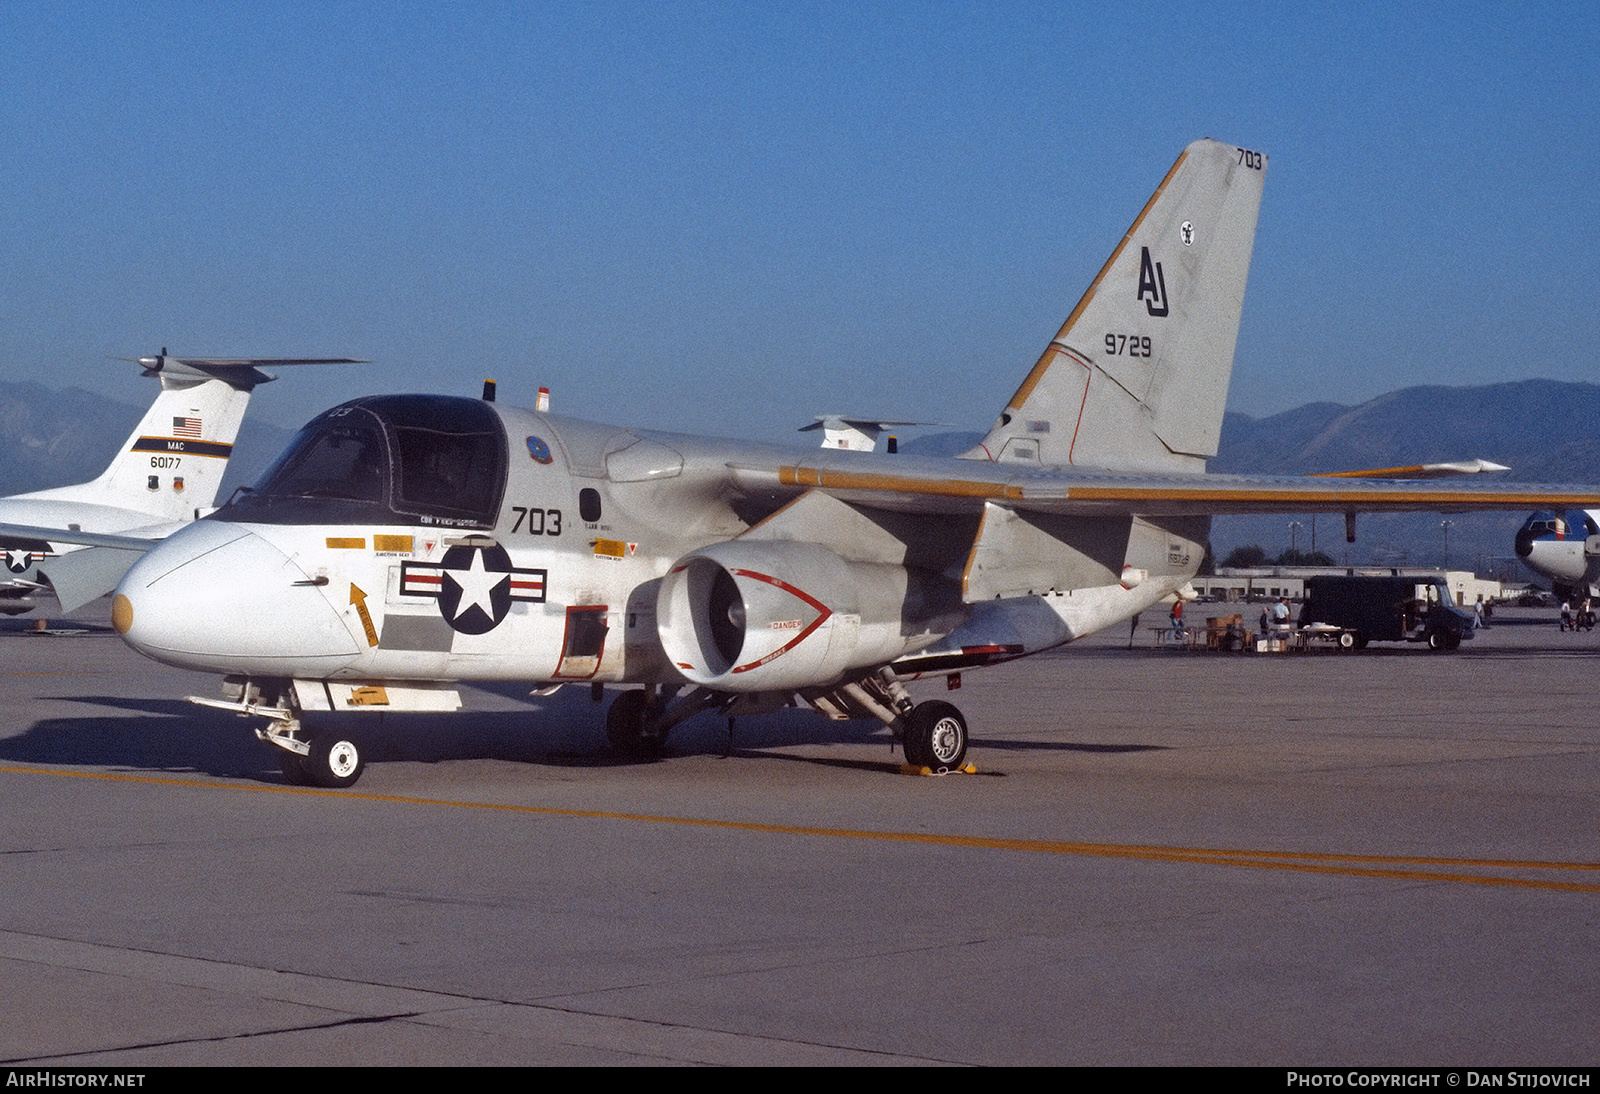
[405, 543]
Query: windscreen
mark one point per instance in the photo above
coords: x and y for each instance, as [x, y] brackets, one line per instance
[407, 459]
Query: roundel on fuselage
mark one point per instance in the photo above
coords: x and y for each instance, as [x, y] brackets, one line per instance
[475, 590]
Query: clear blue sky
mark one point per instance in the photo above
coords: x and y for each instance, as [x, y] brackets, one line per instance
[729, 217]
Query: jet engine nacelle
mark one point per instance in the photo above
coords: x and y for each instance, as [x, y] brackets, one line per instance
[782, 615]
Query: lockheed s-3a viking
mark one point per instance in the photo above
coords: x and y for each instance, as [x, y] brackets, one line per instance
[403, 544]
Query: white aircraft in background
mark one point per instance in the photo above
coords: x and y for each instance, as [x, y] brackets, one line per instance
[854, 434]
[165, 475]
[405, 543]
[1563, 547]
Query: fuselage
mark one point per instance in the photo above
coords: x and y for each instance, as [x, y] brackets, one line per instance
[432, 539]
[1563, 547]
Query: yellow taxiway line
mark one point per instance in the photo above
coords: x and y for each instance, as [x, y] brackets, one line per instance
[1465, 871]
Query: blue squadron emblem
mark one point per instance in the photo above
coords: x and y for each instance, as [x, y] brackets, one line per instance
[538, 450]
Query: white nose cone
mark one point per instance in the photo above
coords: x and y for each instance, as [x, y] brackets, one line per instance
[216, 596]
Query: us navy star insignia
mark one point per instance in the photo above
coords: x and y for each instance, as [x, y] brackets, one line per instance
[475, 585]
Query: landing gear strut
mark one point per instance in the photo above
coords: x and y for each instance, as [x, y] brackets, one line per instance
[638, 721]
[933, 733]
[306, 757]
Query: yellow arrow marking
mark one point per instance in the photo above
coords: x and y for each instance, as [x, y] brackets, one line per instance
[359, 599]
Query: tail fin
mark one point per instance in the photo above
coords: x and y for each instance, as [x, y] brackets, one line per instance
[173, 462]
[1137, 378]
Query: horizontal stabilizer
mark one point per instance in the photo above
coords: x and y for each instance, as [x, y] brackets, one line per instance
[242, 373]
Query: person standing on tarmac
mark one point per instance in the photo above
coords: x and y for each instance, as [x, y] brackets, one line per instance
[1280, 614]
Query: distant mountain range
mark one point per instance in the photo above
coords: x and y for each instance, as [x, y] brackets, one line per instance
[51, 438]
[1545, 431]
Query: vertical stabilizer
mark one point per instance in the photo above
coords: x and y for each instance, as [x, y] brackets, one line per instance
[1137, 378]
[172, 464]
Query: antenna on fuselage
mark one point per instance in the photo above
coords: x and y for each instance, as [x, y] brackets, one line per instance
[488, 391]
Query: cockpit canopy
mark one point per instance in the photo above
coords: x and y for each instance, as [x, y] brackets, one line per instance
[386, 459]
[1547, 525]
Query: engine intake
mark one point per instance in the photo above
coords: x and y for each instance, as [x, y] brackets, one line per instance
[782, 615]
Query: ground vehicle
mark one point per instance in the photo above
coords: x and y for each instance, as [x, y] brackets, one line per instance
[1386, 609]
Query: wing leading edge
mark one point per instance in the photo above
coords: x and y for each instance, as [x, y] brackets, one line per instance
[955, 486]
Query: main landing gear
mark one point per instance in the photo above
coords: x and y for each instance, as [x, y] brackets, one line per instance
[638, 721]
[631, 725]
[932, 733]
[935, 737]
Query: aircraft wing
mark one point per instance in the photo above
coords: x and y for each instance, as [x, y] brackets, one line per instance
[81, 576]
[89, 574]
[1420, 471]
[948, 486]
[1217, 495]
[83, 539]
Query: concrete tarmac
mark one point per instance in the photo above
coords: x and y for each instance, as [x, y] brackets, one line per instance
[1389, 857]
